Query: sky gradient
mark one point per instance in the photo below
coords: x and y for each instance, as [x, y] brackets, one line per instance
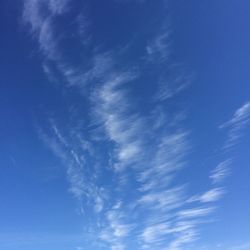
[125, 124]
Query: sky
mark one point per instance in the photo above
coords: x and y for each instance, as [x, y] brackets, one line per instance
[124, 124]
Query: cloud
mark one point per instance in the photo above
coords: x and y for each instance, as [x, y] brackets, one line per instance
[38, 15]
[61, 149]
[195, 212]
[184, 238]
[120, 126]
[210, 196]
[221, 171]
[72, 156]
[178, 234]
[42, 17]
[58, 7]
[166, 160]
[33, 15]
[155, 233]
[98, 204]
[115, 230]
[168, 221]
[236, 125]
[175, 79]
[164, 200]
[158, 49]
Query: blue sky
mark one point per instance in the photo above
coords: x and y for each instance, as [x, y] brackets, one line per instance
[124, 125]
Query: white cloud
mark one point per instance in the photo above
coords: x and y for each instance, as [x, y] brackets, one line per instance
[41, 24]
[184, 238]
[163, 200]
[239, 121]
[183, 232]
[210, 196]
[195, 212]
[121, 127]
[99, 204]
[119, 229]
[80, 186]
[155, 233]
[115, 230]
[32, 14]
[221, 171]
[58, 7]
[168, 158]
[41, 17]
[158, 49]
[173, 81]
[47, 41]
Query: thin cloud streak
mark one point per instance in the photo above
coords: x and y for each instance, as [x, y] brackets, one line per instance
[210, 196]
[38, 15]
[221, 171]
[236, 125]
[81, 186]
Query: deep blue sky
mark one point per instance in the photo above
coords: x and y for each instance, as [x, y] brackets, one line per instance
[124, 124]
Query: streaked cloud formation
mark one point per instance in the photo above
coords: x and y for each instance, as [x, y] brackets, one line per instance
[123, 151]
[236, 125]
[221, 171]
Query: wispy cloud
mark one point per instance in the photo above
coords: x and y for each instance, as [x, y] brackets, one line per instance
[236, 125]
[116, 230]
[169, 157]
[210, 196]
[121, 127]
[38, 15]
[185, 237]
[221, 171]
[173, 81]
[159, 48]
[154, 165]
[58, 7]
[68, 157]
[42, 19]
[165, 200]
[195, 212]
[72, 156]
